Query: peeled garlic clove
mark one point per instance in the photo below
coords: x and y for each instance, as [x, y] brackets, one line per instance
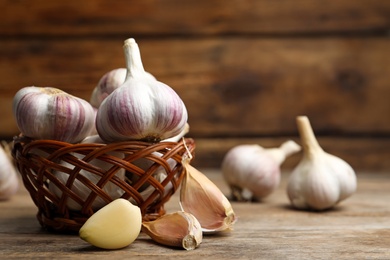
[50, 113]
[114, 226]
[9, 181]
[179, 229]
[320, 180]
[202, 198]
[108, 83]
[141, 108]
[253, 172]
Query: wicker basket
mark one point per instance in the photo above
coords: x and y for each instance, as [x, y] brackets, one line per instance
[40, 161]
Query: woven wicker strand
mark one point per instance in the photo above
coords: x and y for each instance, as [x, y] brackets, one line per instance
[37, 160]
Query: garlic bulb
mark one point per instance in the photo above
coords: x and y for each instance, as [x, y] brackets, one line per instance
[141, 108]
[253, 172]
[203, 199]
[178, 229]
[50, 113]
[78, 187]
[320, 180]
[9, 181]
[108, 83]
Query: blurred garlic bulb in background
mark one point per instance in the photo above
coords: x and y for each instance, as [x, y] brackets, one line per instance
[9, 181]
[320, 180]
[253, 172]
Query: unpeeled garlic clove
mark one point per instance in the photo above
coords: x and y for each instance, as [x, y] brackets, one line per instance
[141, 108]
[50, 113]
[178, 229]
[320, 180]
[108, 83]
[9, 181]
[253, 172]
[202, 198]
[114, 226]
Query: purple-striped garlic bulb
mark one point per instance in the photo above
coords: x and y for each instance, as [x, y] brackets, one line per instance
[108, 83]
[50, 113]
[141, 108]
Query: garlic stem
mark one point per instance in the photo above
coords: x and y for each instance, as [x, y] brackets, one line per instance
[135, 68]
[283, 151]
[308, 139]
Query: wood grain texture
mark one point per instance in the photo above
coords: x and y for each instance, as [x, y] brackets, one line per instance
[172, 17]
[244, 69]
[356, 229]
[231, 87]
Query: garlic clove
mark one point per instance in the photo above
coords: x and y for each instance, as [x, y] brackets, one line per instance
[141, 108]
[253, 172]
[50, 113]
[114, 226]
[320, 180]
[178, 229]
[108, 83]
[202, 198]
[9, 181]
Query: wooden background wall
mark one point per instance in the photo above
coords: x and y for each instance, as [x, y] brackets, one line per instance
[244, 68]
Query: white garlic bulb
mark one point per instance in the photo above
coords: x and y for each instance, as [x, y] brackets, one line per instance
[9, 181]
[108, 83]
[320, 180]
[141, 108]
[50, 113]
[253, 172]
[83, 191]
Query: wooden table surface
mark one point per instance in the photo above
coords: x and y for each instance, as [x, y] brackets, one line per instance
[359, 228]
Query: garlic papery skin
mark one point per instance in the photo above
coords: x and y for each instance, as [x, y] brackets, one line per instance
[203, 199]
[9, 181]
[320, 180]
[108, 83]
[50, 113]
[141, 108]
[253, 172]
[178, 229]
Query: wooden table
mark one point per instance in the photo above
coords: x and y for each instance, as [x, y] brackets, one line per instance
[359, 228]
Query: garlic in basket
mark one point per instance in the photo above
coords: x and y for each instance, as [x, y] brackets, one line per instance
[9, 181]
[253, 172]
[80, 189]
[320, 180]
[50, 113]
[203, 199]
[108, 83]
[178, 229]
[141, 108]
